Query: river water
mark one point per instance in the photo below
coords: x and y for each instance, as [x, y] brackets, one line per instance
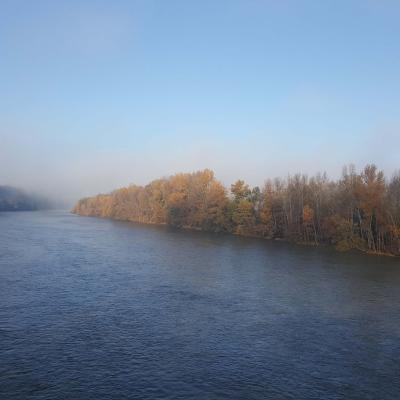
[99, 309]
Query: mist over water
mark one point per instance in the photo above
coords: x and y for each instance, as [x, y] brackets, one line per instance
[66, 179]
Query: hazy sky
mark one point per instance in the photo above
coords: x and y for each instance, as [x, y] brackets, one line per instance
[99, 94]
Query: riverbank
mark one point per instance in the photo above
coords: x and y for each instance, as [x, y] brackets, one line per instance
[197, 229]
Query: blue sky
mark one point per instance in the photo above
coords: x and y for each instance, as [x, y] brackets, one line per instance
[98, 94]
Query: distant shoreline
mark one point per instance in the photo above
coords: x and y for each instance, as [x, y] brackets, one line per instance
[14, 200]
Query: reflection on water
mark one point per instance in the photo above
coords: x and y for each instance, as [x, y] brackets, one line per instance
[96, 309]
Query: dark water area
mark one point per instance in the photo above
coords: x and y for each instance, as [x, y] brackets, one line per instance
[98, 309]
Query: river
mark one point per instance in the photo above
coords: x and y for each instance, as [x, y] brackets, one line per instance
[98, 309]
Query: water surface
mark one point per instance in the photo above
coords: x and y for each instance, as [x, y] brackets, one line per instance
[98, 309]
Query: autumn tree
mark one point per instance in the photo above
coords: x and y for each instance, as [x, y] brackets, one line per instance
[359, 211]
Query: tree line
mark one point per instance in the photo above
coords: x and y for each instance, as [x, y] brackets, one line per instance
[360, 211]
